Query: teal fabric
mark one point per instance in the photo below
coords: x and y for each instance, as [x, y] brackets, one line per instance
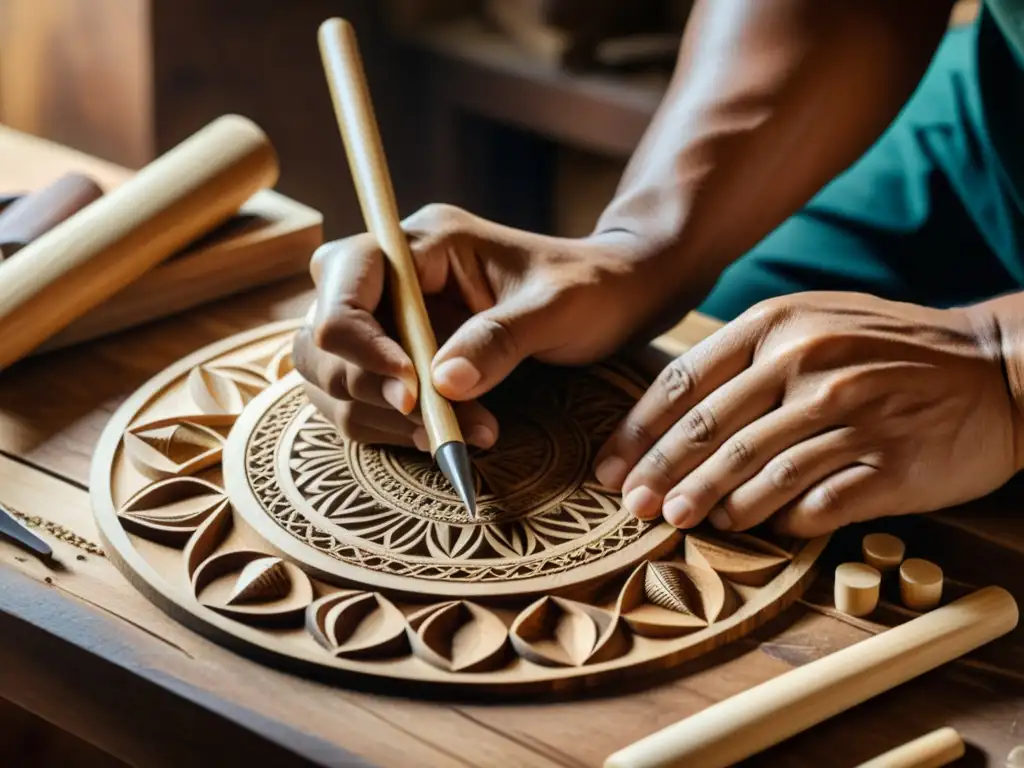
[932, 213]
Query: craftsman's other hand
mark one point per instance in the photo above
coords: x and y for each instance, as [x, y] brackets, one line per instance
[495, 296]
[821, 409]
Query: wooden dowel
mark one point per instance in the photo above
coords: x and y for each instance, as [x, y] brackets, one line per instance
[110, 243]
[935, 749]
[771, 712]
[358, 124]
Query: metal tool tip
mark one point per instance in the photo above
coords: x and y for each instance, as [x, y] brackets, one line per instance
[453, 459]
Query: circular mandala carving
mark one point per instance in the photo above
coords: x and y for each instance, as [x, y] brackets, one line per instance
[391, 511]
[233, 504]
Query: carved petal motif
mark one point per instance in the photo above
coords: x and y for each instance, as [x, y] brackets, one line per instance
[555, 631]
[670, 599]
[170, 511]
[225, 389]
[281, 363]
[358, 625]
[182, 445]
[280, 600]
[744, 560]
[459, 636]
[261, 581]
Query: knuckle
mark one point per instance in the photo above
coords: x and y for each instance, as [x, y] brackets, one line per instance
[677, 380]
[636, 434]
[769, 311]
[740, 454]
[437, 218]
[656, 462]
[823, 500]
[783, 473]
[699, 425]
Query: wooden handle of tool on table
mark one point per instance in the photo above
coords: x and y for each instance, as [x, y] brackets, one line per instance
[31, 216]
[933, 750]
[177, 198]
[351, 98]
[769, 713]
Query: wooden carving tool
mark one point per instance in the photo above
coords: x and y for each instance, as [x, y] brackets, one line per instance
[354, 111]
[767, 714]
[111, 242]
[935, 749]
[29, 217]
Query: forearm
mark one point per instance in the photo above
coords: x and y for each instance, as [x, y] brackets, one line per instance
[769, 101]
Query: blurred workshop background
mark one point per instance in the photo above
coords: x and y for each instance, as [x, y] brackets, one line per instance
[522, 110]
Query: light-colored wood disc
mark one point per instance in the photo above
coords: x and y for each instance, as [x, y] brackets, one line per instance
[883, 551]
[920, 584]
[229, 501]
[856, 588]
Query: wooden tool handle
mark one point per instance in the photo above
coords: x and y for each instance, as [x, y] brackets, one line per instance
[352, 106]
[763, 716]
[101, 249]
[933, 750]
[31, 216]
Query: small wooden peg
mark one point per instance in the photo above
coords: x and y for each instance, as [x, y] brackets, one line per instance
[883, 551]
[935, 749]
[920, 584]
[1016, 757]
[856, 588]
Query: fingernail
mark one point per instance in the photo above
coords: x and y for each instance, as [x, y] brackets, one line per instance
[678, 511]
[481, 436]
[611, 473]
[420, 439]
[397, 395]
[642, 503]
[720, 519]
[456, 376]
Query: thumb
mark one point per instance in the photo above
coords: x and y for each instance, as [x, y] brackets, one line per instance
[485, 349]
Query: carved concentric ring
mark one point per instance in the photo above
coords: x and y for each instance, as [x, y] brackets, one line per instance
[225, 497]
[358, 513]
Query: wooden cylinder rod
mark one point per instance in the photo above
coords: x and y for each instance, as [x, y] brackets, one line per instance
[767, 714]
[113, 241]
[357, 122]
[933, 750]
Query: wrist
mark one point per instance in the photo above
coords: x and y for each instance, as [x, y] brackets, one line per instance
[999, 327]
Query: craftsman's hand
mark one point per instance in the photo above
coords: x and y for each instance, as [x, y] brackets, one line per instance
[821, 409]
[495, 296]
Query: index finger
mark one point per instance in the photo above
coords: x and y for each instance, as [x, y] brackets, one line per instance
[679, 387]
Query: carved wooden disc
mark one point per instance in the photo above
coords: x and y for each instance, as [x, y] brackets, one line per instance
[234, 505]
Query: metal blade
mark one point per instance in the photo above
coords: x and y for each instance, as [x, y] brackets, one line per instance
[11, 528]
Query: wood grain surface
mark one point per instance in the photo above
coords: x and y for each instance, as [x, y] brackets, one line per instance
[46, 442]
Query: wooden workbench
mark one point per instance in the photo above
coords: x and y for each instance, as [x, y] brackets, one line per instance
[81, 649]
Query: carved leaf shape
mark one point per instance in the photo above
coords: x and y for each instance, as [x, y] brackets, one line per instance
[670, 599]
[459, 636]
[665, 586]
[555, 631]
[261, 581]
[358, 625]
[181, 445]
[220, 577]
[225, 389]
[207, 538]
[281, 364]
[170, 511]
[737, 560]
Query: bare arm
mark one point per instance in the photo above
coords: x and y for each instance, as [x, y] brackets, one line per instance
[770, 100]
